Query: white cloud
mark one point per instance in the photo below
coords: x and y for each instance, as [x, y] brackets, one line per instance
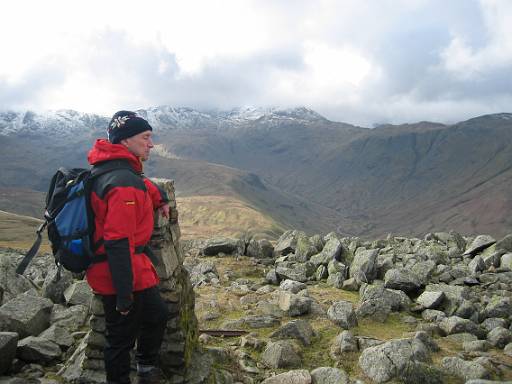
[357, 61]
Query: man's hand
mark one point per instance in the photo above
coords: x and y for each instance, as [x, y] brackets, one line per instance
[164, 210]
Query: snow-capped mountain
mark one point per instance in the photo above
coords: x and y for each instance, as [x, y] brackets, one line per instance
[67, 123]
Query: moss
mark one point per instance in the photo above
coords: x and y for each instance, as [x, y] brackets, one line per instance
[392, 328]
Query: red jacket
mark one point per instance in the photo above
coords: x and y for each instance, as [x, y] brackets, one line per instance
[123, 202]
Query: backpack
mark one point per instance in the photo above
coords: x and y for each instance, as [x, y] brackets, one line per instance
[70, 220]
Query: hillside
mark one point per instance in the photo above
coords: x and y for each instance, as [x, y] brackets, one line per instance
[298, 168]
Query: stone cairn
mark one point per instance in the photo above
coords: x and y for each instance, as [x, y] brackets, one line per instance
[180, 340]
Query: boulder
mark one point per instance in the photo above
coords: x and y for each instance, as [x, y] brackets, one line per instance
[346, 342]
[430, 300]
[321, 273]
[392, 359]
[505, 243]
[304, 249]
[466, 370]
[336, 280]
[395, 299]
[55, 286]
[453, 295]
[402, 279]
[59, 335]
[476, 346]
[499, 337]
[329, 375]
[455, 324]
[479, 244]
[8, 343]
[217, 245]
[506, 261]
[37, 350]
[286, 243]
[260, 249]
[71, 318]
[492, 322]
[298, 376]
[78, 293]
[342, 313]
[26, 314]
[298, 272]
[272, 278]
[295, 329]
[433, 315]
[508, 350]
[499, 307]
[364, 265]
[333, 250]
[11, 284]
[476, 265]
[280, 354]
[294, 305]
[292, 286]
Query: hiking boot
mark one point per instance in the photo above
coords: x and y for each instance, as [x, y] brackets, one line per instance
[154, 376]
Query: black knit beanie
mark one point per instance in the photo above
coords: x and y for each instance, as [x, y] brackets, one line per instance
[125, 124]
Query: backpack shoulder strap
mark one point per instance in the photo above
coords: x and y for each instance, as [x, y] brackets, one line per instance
[32, 251]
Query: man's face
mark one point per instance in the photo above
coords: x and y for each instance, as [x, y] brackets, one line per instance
[140, 145]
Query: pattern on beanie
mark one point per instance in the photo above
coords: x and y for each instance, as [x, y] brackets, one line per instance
[118, 122]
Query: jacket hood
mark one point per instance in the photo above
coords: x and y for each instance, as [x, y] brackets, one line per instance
[104, 150]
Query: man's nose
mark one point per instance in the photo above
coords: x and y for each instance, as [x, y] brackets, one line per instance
[150, 143]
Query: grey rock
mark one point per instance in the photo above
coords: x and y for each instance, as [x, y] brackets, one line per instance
[260, 249]
[272, 278]
[298, 376]
[476, 265]
[453, 295]
[492, 322]
[286, 243]
[395, 299]
[295, 329]
[71, 318]
[466, 370]
[342, 313]
[304, 249]
[292, 286]
[329, 375]
[505, 243]
[59, 335]
[430, 300]
[259, 321]
[508, 349]
[506, 261]
[347, 342]
[421, 373]
[8, 343]
[423, 270]
[11, 284]
[298, 272]
[350, 284]
[402, 279]
[37, 349]
[391, 359]
[466, 310]
[476, 346]
[478, 381]
[427, 340]
[499, 307]
[461, 338]
[479, 243]
[433, 315]
[218, 245]
[78, 293]
[54, 287]
[455, 324]
[364, 342]
[294, 305]
[321, 273]
[377, 310]
[492, 260]
[280, 354]
[26, 314]
[364, 265]
[499, 337]
[336, 266]
[336, 280]
[333, 250]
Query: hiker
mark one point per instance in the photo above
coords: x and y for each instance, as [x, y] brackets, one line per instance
[124, 202]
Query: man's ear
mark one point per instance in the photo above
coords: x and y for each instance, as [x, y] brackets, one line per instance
[124, 142]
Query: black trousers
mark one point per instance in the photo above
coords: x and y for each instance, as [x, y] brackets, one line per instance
[144, 324]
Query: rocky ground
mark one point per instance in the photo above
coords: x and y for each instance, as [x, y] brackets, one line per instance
[343, 310]
[319, 309]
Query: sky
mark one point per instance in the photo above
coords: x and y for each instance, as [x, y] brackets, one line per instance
[364, 62]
